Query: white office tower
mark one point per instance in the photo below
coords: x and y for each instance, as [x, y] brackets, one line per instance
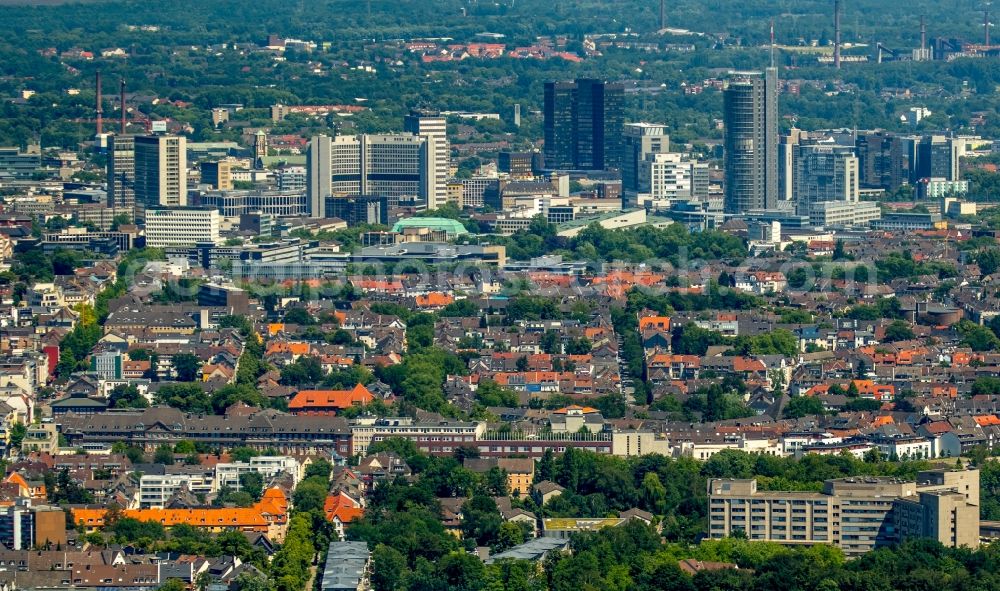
[393, 166]
[434, 127]
[319, 174]
[160, 170]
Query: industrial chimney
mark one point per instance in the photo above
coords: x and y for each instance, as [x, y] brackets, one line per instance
[663, 15]
[836, 34]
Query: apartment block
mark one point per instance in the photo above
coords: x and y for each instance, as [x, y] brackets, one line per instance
[855, 514]
[155, 490]
[228, 474]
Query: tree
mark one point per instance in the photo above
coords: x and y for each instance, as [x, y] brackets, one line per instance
[388, 568]
[319, 468]
[309, 495]
[127, 396]
[186, 365]
[802, 406]
[898, 330]
[299, 316]
[17, 433]
[838, 250]
[481, 519]
[164, 455]
[489, 393]
[551, 342]
[304, 370]
[252, 483]
[173, 585]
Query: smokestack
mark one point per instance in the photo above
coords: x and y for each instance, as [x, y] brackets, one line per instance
[663, 14]
[100, 111]
[923, 34]
[124, 124]
[836, 34]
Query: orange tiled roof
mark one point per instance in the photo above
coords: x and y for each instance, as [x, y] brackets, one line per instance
[340, 399]
[288, 347]
[661, 322]
[434, 299]
[273, 504]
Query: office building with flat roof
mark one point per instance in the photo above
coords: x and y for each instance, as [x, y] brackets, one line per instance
[854, 514]
[640, 140]
[181, 226]
[434, 128]
[394, 166]
[825, 172]
[583, 125]
[160, 171]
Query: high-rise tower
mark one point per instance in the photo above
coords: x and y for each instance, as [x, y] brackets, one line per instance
[434, 127]
[583, 125]
[750, 112]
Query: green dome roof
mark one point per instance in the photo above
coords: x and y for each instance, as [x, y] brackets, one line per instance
[449, 226]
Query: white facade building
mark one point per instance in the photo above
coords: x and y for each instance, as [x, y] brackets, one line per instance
[228, 474]
[181, 226]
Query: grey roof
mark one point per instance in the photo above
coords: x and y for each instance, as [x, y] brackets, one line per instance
[345, 566]
[534, 549]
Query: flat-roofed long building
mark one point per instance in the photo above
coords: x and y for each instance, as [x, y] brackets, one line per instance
[855, 514]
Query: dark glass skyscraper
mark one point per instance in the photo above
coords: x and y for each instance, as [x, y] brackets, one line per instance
[583, 125]
[750, 112]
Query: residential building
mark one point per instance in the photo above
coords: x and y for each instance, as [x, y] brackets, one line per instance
[750, 112]
[228, 473]
[160, 170]
[855, 514]
[156, 490]
[41, 438]
[24, 526]
[181, 226]
[583, 123]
